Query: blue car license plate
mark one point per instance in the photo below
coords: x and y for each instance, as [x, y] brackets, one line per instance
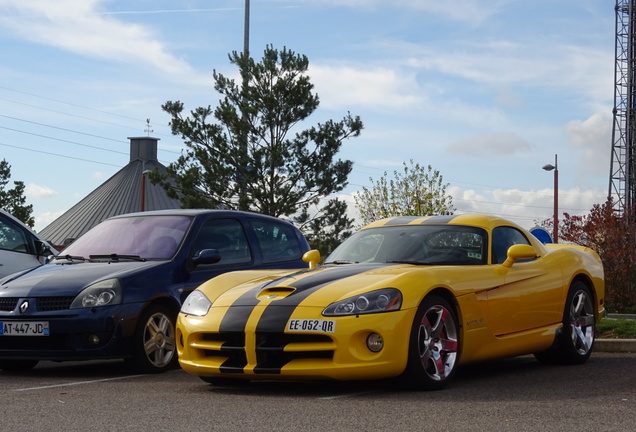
[24, 328]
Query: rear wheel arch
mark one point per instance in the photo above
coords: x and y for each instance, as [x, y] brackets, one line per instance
[574, 341]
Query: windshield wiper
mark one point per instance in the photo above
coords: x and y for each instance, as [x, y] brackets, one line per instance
[69, 257]
[342, 262]
[117, 257]
[406, 262]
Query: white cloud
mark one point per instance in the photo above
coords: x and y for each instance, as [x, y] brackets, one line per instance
[44, 219]
[33, 190]
[526, 208]
[593, 137]
[79, 26]
[366, 86]
[490, 144]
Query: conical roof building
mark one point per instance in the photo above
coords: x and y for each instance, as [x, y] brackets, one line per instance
[127, 191]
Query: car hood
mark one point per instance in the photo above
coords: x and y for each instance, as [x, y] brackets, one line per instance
[333, 283]
[68, 279]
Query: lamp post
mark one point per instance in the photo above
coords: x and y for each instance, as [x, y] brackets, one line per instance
[555, 167]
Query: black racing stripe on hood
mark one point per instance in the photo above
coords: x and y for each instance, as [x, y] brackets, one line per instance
[327, 275]
[277, 314]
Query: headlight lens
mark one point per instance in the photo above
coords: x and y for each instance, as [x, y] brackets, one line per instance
[383, 300]
[196, 304]
[107, 292]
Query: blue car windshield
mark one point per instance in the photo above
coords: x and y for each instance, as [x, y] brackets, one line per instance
[150, 237]
[414, 244]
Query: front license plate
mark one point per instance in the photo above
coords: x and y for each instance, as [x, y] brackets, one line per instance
[24, 328]
[311, 325]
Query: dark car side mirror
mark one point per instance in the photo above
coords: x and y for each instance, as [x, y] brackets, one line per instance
[43, 249]
[206, 256]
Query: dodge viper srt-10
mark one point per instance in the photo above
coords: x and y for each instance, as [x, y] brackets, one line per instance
[405, 297]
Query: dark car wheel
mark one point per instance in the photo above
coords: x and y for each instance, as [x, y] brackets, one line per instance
[433, 345]
[574, 343]
[17, 365]
[155, 348]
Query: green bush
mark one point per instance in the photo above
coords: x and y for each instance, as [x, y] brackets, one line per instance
[618, 327]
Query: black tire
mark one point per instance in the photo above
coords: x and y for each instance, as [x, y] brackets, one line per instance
[575, 341]
[155, 348]
[18, 365]
[433, 346]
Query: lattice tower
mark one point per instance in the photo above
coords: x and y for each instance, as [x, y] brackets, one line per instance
[622, 182]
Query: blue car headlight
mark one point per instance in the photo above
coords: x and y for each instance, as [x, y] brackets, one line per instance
[104, 293]
[382, 300]
[196, 304]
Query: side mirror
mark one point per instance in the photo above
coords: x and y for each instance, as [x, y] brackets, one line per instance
[42, 248]
[517, 252]
[312, 257]
[206, 256]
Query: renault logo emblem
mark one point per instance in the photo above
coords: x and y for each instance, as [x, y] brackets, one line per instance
[24, 306]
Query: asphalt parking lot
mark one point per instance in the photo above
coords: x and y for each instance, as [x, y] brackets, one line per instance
[517, 394]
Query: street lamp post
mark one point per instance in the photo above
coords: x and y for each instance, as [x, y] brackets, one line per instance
[555, 167]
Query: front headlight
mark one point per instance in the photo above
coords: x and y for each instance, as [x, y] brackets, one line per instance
[196, 304]
[382, 300]
[103, 293]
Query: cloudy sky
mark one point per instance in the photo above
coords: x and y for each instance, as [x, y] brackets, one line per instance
[485, 91]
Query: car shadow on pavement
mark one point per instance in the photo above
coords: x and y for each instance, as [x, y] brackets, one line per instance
[76, 369]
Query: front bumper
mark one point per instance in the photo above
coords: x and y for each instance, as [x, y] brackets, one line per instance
[250, 354]
[74, 334]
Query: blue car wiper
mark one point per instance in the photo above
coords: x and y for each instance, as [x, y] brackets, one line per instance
[69, 257]
[117, 257]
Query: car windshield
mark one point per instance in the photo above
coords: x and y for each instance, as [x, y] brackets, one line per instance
[414, 244]
[149, 237]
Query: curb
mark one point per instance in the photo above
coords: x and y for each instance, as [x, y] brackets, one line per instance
[615, 345]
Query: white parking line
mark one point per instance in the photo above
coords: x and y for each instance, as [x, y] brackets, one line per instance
[76, 383]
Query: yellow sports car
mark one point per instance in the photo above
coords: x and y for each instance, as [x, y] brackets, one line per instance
[406, 297]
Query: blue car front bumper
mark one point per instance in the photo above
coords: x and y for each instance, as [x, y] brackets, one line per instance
[73, 334]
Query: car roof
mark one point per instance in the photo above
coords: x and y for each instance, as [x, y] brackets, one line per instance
[485, 221]
[18, 222]
[200, 212]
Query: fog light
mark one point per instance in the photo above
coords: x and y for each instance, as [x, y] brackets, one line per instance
[94, 339]
[375, 342]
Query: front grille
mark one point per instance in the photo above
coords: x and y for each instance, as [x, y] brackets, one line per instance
[8, 304]
[46, 304]
[271, 354]
[270, 349]
[232, 348]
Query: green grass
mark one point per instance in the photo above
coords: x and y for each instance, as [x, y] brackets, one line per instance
[621, 328]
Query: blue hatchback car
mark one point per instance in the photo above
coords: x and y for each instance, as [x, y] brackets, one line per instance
[115, 292]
